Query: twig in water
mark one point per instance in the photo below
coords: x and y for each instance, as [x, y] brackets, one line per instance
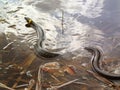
[7, 45]
[27, 62]
[62, 21]
[55, 78]
[4, 86]
[31, 84]
[39, 79]
[81, 83]
[102, 79]
[65, 84]
[23, 85]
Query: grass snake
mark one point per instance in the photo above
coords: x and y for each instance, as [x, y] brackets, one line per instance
[97, 56]
[39, 50]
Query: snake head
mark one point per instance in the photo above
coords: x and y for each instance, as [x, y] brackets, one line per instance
[29, 22]
[89, 49]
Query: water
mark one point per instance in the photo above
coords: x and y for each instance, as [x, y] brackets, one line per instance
[85, 23]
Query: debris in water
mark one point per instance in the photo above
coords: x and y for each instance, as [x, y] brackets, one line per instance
[7, 45]
[51, 67]
[4, 21]
[13, 11]
[70, 69]
[60, 86]
[4, 86]
[12, 26]
[39, 79]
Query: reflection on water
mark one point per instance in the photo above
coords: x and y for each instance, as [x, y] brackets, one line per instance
[85, 23]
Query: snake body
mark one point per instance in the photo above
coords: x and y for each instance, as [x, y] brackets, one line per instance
[97, 56]
[39, 51]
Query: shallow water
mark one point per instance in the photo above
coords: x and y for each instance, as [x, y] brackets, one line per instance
[94, 23]
[85, 23]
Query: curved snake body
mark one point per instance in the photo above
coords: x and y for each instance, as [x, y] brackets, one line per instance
[39, 51]
[97, 56]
